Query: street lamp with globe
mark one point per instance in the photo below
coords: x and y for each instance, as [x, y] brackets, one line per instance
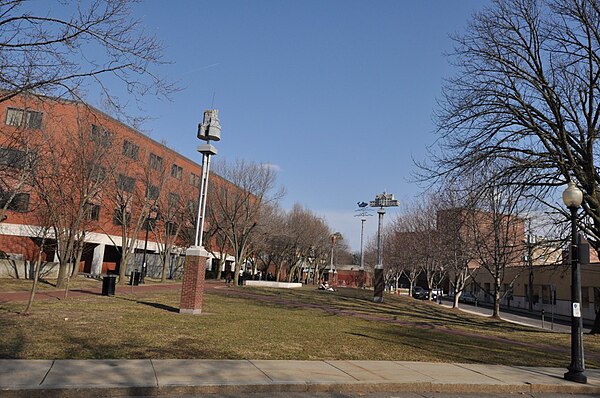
[573, 197]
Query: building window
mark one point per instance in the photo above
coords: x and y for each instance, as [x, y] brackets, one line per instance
[100, 136]
[194, 180]
[126, 183]
[547, 293]
[585, 297]
[20, 118]
[176, 171]
[171, 228]
[92, 212]
[173, 200]
[156, 162]
[152, 192]
[11, 157]
[97, 173]
[192, 206]
[121, 217]
[130, 149]
[19, 203]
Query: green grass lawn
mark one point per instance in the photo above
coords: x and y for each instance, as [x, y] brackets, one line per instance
[252, 323]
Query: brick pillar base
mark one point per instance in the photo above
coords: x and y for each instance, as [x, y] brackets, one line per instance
[192, 287]
[379, 284]
[361, 278]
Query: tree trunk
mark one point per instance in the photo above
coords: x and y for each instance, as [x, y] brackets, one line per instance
[36, 275]
[165, 265]
[456, 297]
[221, 265]
[124, 249]
[496, 313]
[78, 255]
[63, 273]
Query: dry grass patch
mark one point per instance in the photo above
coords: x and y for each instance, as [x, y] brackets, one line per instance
[243, 323]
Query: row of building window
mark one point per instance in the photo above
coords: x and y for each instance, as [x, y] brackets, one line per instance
[544, 294]
[24, 118]
[101, 136]
[92, 213]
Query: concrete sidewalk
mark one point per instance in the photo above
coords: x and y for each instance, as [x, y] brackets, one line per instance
[105, 378]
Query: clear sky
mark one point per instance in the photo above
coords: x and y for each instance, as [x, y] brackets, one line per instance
[337, 95]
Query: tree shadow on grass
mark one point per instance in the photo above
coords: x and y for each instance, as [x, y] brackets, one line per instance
[160, 306]
[86, 291]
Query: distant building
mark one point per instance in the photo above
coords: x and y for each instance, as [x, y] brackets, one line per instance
[351, 275]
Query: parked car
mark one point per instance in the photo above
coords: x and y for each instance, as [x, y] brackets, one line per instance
[420, 293]
[467, 298]
[435, 293]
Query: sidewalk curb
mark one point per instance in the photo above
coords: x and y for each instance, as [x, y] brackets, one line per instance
[359, 387]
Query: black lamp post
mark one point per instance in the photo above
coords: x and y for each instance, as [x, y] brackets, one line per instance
[572, 196]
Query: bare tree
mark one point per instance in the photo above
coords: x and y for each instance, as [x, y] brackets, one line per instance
[419, 220]
[527, 94]
[291, 241]
[498, 239]
[63, 48]
[131, 190]
[270, 242]
[455, 240]
[68, 182]
[236, 201]
[43, 233]
[175, 207]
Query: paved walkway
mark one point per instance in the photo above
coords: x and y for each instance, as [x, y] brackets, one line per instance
[94, 378]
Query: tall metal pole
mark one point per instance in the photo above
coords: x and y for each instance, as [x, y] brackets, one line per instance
[202, 199]
[363, 213]
[577, 365]
[362, 254]
[379, 283]
[196, 257]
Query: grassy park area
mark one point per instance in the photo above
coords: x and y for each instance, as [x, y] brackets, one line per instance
[253, 323]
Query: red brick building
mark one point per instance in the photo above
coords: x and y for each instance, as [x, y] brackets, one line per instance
[73, 152]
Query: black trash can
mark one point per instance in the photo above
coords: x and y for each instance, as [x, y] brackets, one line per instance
[135, 278]
[108, 285]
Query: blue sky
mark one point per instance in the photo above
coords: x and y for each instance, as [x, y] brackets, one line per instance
[338, 95]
